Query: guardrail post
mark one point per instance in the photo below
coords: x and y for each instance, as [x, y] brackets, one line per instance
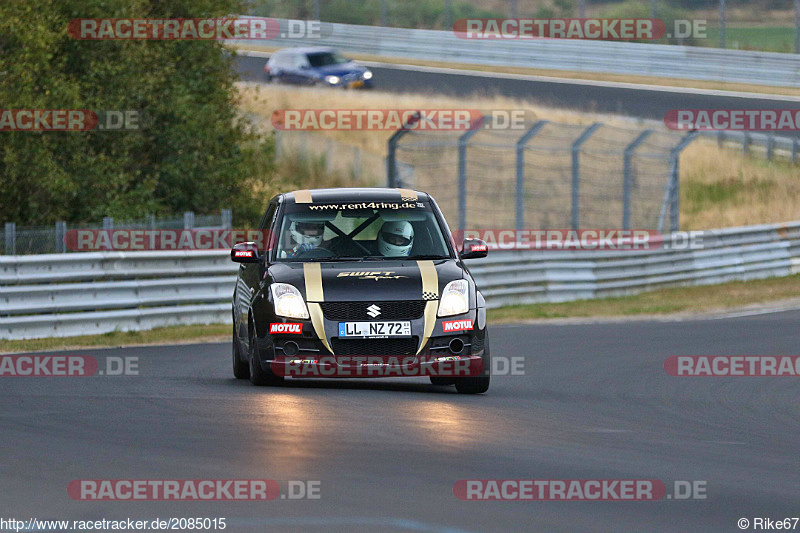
[108, 222]
[226, 219]
[11, 238]
[61, 235]
[188, 220]
[576, 172]
[527, 136]
[392, 179]
[672, 189]
[627, 179]
[463, 141]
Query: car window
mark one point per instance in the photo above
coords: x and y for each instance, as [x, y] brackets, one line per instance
[323, 59]
[355, 230]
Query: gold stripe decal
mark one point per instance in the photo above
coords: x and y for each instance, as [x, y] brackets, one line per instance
[312, 272]
[430, 284]
[319, 325]
[302, 197]
[313, 276]
[407, 195]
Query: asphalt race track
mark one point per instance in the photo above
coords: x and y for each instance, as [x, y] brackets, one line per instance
[594, 403]
[644, 103]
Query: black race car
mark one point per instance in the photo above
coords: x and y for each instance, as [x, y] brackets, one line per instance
[358, 283]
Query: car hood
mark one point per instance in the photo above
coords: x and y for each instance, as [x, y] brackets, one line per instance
[365, 281]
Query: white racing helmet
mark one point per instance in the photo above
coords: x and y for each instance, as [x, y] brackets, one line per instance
[395, 239]
[307, 232]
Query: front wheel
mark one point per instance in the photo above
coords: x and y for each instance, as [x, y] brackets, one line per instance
[258, 376]
[241, 370]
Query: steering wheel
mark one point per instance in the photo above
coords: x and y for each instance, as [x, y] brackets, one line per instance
[315, 252]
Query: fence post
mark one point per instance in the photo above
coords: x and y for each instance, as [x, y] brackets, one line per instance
[357, 162]
[61, 235]
[576, 172]
[328, 155]
[226, 219]
[527, 136]
[151, 221]
[794, 150]
[627, 182]
[463, 141]
[746, 143]
[672, 194]
[770, 147]
[11, 238]
[278, 148]
[108, 222]
[391, 158]
[188, 220]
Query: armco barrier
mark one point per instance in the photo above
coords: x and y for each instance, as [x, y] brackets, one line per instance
[643, 59]
[89, 293]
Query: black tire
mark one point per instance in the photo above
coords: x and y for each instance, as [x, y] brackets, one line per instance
[439, 380]
[259, 376]
[477, 384]
[241, 370]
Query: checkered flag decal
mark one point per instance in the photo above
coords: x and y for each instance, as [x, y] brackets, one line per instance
[429, 296]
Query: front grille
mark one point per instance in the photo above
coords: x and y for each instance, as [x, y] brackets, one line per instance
[377, 347]
[402, 310]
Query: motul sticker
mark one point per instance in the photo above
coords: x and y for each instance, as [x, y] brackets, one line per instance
[478, 248]
[286, 328]
[457, 325]
[244, 254]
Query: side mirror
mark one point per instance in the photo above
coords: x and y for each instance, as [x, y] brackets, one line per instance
[245, 252]
[474, 249]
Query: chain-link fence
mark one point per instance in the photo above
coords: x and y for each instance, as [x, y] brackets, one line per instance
[549, 175]
[30, 240]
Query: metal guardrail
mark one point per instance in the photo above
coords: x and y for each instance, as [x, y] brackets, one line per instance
[734, 66]
[91, 293]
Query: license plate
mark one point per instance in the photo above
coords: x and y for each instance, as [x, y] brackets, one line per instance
[374, 329]
[354, 84]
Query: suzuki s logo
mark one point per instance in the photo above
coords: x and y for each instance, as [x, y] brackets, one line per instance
[373, 310]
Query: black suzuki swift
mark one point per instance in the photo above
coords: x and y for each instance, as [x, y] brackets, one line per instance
[358, 283]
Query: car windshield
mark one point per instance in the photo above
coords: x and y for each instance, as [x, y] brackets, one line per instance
[364, 231]
[323, 59]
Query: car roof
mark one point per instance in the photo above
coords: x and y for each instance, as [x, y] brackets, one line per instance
[306, 49]
[361, 194]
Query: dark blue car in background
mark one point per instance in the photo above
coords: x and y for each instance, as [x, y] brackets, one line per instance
[321, 66]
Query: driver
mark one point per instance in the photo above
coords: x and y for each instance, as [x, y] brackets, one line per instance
[305, 236]
[395, 239]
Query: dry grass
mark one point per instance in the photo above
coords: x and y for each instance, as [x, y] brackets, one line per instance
[573, 75]
[719, 187]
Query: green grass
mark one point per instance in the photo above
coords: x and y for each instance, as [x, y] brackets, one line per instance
[708, 298]
[167, 335]
[767, 39]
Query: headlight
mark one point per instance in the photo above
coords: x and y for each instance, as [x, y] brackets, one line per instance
[288, 301]
[367, 75]
[455, 298]
[333, 80]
